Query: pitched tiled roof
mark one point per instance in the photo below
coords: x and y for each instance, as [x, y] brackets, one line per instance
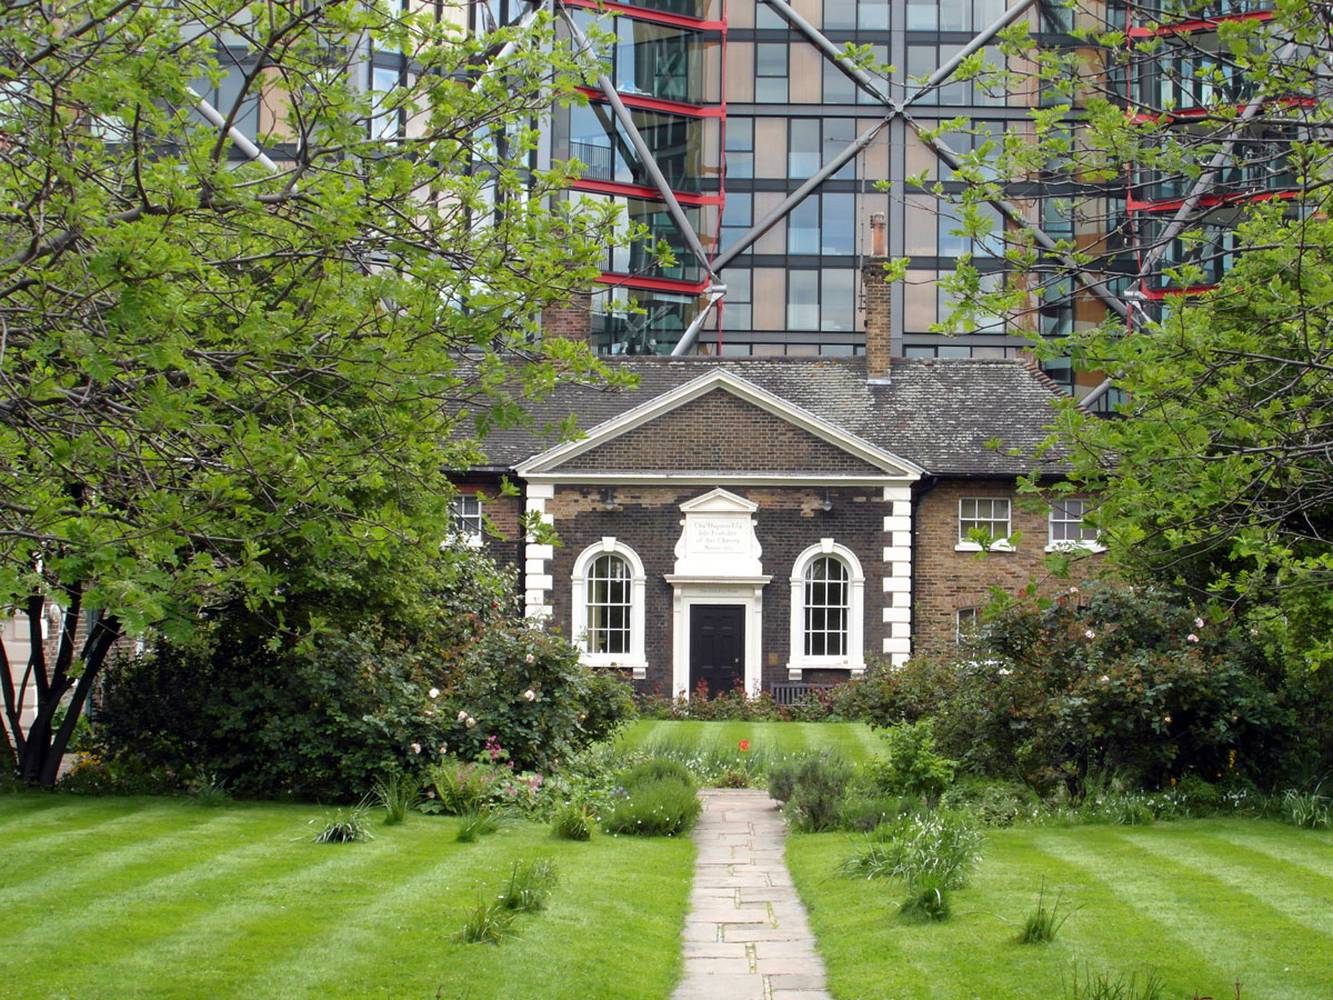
[944, 415]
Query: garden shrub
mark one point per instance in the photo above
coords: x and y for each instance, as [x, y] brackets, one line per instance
[127, 774]
[1106, 679]
[660, 807]
[933, 849]
[863, 812]
[816, 799]
[782, 781]
[990, 802]
[656, 769]
[910, 765]
[573, 821]
[322, 714]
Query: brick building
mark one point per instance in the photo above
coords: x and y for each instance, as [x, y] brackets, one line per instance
[759, 521]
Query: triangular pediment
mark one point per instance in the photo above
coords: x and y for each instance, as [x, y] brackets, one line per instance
[719, 501]
[720, 424]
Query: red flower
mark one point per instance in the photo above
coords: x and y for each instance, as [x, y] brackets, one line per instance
[745, 746]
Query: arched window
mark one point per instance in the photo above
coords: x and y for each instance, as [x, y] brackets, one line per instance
[827, 610]
[827, 596]
[607, 602]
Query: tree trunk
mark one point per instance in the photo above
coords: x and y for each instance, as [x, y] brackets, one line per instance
[104, 635]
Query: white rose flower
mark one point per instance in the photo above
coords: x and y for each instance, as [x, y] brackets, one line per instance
[434, 693]
[416, 748]
[530, 658]
[1198, 623]
[462, 716]
[471, 722]
[1089, 634]
[530, 694]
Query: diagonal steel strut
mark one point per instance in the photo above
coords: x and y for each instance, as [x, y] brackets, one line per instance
[646, 157]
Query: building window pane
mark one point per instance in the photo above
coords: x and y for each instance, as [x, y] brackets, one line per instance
[740, 147]
[803, 300]
[1067, 525]
[803, 157]
[803, 227]
[838, 229]
[608, 602]
[465, 523]
[966, 621]
[985, 514]
[872, 15]
[827, 602]
[837, 302]
[770, 71]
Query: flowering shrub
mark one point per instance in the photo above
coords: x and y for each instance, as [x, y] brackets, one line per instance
[1107, 680]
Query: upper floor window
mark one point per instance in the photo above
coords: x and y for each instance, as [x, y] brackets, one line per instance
[1067, 526]
[608, 606]
[465, 519]
[983, 518]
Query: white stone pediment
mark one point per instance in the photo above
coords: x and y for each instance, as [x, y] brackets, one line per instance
[717, 538]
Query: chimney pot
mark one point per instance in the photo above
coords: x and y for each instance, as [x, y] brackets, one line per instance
[879, 244]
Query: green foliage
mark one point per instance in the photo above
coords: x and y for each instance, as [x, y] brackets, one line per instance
[656, 769]
[118, 775]
[782, 781]
[462, 788]
[490, 922]
[1043, 923]
[660, 807]
[1310, 810]
[209, 790]
[910, 765]
[863, 812]
[1105, 985]
[607, 706]
[927, 901]
[816, 799]
[396, 794]
[529, 885]
[210, 395]
[476, 824]
[350, 825]
[1108, 679]
[573, 821]
[991, 803]
[933, 850]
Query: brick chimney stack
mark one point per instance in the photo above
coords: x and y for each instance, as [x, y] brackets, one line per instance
[571, 319]
[879, 349]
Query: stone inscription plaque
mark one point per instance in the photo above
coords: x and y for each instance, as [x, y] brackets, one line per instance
[718, 535]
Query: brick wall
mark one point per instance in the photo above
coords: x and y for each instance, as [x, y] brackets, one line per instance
[569, 320]
[504, 513]
[946, 580]
[789, 520]
[719, 432]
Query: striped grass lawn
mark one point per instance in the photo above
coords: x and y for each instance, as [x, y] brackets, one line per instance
[139, 897]
[854, 740]
[1204, 902]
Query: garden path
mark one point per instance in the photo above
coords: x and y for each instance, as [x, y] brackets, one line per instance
[746, 936]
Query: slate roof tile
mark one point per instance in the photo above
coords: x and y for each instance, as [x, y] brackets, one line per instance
[938, 413]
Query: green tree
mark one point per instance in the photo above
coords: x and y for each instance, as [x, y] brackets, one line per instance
[227, 377]
[1216, 476]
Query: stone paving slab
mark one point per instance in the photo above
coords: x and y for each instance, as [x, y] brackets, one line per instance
[746, 936]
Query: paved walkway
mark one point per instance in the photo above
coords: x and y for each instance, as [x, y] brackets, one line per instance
[746, 937]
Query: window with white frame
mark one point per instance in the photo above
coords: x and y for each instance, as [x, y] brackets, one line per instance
[988, 515]
[827, 613]
[465, 521]
[827, 592]
[609, 603]
[608, 593]
[966, 622]
[1067, 525]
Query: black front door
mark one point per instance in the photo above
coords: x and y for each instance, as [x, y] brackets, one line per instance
[717, 647]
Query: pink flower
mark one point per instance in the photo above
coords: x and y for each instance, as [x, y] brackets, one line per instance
[1191, 638]
[1198, 623]
[530, 658]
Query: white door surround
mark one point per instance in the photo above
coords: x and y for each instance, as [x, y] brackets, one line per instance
[717, 562]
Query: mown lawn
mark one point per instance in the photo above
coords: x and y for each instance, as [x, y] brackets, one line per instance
[1204, 902]
[127, 898]
[854, 740]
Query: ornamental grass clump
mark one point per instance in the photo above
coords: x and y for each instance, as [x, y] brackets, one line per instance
[396, 794]
[1309, 810]
[530, 883]
[930, 855]
[573, 821]
[346, 826]
[1115, 986]
[477, 824]
[1043, 923]
[490, 922]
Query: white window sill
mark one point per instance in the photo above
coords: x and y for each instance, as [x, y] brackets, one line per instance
[1000, 546]
[1076, 547]
[599, 661]
[831, 663]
